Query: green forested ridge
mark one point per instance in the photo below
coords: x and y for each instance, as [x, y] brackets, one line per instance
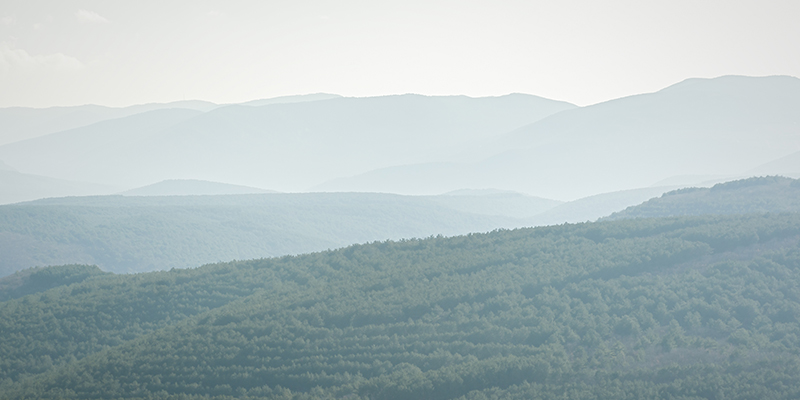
[753, 195]
[138, 234]
[672, 308]
[35, 280]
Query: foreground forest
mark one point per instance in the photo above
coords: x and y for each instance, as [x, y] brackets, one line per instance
[670, 308]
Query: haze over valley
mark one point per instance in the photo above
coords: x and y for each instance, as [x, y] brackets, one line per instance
[447, 165]
[409, 144]
[264, 200]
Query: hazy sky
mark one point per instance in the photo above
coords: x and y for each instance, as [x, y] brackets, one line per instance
[117, 53]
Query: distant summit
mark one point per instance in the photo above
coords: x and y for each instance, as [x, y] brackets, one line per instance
[191, 187]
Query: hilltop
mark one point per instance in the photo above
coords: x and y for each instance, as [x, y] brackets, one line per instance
[771, 194]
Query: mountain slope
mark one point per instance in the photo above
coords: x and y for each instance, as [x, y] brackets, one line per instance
[770, 194]
[722, 126]
[692, 307]
[287, 147]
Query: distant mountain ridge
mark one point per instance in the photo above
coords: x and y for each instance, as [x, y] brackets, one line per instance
[16, 187]
[721, 126]
[290, 99]
[730, 126]
[190, 187]
[786, 166]
[20, 123]
[285, 146]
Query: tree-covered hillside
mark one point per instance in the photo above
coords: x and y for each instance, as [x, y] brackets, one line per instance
[138, 234]
[673, 308]
[753, 195]
[39, 279]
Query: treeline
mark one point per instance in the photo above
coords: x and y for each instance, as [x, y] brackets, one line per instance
[674, 308]
[767, 194]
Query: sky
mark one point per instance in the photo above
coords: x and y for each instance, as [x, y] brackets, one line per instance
[118, 53]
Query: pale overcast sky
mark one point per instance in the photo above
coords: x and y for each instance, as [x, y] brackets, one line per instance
[119, 53]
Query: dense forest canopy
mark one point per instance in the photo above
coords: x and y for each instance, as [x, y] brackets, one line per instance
[679, 308]
[753, 195]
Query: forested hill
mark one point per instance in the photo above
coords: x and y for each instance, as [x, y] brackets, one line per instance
[680, 308]
[137, 234]
[753, 195]
[39, 279]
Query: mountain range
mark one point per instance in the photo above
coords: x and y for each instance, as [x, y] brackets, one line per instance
[20, 123]
[725, 126]
[284, 146]
[731, 126]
